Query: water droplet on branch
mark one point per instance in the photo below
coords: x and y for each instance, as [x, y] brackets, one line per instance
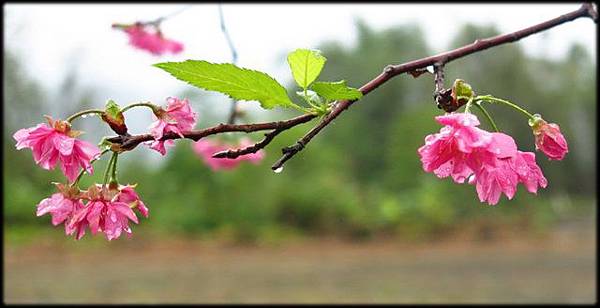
[278, 170]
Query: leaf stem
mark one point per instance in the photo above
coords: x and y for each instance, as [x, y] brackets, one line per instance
[303, 109]
[487, 115]
[492, 99]
[107, 171]
[113, 175]
[146, 104]
[84, 112]
[468, 106]
[83, 170]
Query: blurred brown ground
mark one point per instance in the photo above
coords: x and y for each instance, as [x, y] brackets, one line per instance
[558, 267]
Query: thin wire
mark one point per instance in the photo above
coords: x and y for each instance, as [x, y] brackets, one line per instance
[234, 55]
[163, 18]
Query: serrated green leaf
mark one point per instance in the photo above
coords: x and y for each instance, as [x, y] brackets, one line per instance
[310, 96]
[336, 90]
[238, 83]
[306, 65]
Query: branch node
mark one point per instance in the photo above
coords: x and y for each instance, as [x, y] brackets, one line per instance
[592, 11]
[418, 72]
[294, 148]
[388, 69]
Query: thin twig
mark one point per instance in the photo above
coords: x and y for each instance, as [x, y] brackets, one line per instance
[441, 96]
[233, 154]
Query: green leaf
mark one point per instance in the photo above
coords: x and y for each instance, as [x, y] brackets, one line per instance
[112, 109]
[238, 83]
[310, 96]
[306, 65]
[336, 90]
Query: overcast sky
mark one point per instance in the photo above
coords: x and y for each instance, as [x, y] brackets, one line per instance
[50, 36]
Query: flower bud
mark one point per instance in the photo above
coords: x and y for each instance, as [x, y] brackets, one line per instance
[549, 139]
[461, 92]
[114, 118]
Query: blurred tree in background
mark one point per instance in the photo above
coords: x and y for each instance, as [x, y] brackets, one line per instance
[361, 177]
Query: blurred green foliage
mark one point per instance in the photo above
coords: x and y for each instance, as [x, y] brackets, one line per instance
[362, 176]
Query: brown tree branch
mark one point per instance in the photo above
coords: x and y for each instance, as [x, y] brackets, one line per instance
[415, 68]
[390, 71]
[128, 143]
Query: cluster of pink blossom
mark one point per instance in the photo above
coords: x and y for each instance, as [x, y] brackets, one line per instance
[108, 209]
[177, 118]
[205, 148]
[491, 161]
[55, 142]
[154, 42]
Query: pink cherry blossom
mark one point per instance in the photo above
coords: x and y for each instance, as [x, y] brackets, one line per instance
[128, 195]
[108, 211]
[447, 152]
[205, 148]
[177, 118]
[55, 143]
[60, 207]
[490, 161]
[109, 217]
[550, 140]
[154, 42]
